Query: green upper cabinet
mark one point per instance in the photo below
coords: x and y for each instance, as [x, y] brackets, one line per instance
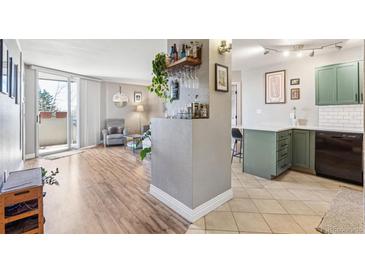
[338, 84]
[361, 81]
[347, 77]
[326, 85]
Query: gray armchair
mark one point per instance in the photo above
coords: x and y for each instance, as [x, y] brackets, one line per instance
[114, 132]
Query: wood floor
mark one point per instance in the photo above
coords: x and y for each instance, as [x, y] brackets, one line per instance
[105, 190]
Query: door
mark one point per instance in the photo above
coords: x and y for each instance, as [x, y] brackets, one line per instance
[300, 148]
[347, 83]
[57, 119]
[326, 85]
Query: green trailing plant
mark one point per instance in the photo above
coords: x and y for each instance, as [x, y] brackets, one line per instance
[49, 179]
[160, 78]
[147, 150]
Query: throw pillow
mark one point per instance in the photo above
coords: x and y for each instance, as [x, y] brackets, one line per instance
[115, 130]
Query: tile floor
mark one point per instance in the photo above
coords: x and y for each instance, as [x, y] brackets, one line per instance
[294, 202]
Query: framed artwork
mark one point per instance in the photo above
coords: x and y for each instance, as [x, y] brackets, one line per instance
[295, 93]
[4, 70]
[275, 87]
[137, 97]
[295, 81]
[10, 78]
[221, 78]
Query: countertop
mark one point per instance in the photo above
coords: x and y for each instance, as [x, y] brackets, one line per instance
[277, 128]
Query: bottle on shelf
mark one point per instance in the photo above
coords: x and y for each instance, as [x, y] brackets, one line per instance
[183, 52]
[171, 54]
[176, 54]
[191, 53]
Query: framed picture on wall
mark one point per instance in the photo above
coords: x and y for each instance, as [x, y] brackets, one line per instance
[221, 78]
[275, 87]
[4, 62]
[137, 97]
[295, 93]
[294, 82]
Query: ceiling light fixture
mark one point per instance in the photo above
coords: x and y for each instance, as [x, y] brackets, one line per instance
[338, 47]
[300, 49]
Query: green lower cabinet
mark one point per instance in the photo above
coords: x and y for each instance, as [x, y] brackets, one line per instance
[303, 151]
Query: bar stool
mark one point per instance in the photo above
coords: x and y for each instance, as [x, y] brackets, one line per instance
[237, 137]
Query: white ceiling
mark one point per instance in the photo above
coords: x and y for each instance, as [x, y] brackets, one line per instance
[249, 53]
[119, 60]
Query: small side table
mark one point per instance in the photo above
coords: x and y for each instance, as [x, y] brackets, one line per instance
[134, 141]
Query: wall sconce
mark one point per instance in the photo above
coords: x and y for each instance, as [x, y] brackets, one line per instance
[223, 48]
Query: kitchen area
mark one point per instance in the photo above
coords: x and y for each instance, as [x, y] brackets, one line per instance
[303, 108]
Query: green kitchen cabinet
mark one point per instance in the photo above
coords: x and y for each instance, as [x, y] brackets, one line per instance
[361, 81]
[338, 84]
[303, 150]
[326, 85]
[267, 154]
[347, 77]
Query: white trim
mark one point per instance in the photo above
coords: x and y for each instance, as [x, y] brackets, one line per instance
[191, 214]
[92, 146]
[29, 156]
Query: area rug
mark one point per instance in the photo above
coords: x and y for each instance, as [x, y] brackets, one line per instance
[345, 215]
[62, 154]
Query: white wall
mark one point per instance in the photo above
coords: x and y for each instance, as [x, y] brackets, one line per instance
[10, 123]
[253, 87]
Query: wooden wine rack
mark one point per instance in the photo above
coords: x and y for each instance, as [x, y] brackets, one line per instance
[28, 221]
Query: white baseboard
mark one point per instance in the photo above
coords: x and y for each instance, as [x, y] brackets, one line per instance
[29, 156]
[191, 214]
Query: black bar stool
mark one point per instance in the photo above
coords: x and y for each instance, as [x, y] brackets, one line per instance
[237, 137]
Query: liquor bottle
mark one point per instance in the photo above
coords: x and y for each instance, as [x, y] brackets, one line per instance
[171, 55]
[183, 52]
[176, 54]
[191, 54]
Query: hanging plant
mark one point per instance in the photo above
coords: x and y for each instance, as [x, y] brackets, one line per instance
[160, 78]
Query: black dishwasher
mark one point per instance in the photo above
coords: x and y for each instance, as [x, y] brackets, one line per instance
[339, 156]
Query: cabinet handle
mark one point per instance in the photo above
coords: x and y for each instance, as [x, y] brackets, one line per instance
[361, 97]
[356, 97]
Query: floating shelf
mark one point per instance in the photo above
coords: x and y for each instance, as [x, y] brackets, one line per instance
[186, 61]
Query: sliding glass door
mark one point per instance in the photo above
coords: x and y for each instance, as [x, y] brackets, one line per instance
[57, 120]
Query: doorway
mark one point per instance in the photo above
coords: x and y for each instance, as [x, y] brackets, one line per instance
[58, 113]
[236, 104]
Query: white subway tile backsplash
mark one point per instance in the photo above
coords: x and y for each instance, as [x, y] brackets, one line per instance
[351, 116]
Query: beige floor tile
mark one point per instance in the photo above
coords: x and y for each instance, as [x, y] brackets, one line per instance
[251, 222]
[224, 207]
[242, 205]
[306, 195]
[269, 206]
[199, 224]
[273, 185]
[220, 232]
[251, 184]
[235, 182]
[258, 193]
[239, 192]
[220, 221]
[296, 207]
[282, 223]
[320, 207]
[195, 231]
[327, 195]
[308, 223]
[282, 194]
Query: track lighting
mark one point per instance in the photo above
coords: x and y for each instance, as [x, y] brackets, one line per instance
[300, 49]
